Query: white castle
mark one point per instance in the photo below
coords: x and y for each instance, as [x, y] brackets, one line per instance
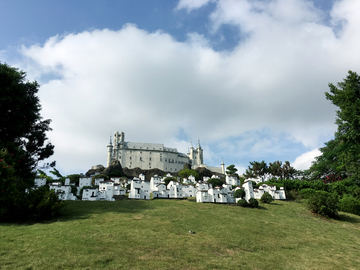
[154, 155]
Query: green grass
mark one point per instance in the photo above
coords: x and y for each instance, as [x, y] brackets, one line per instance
[155, 235]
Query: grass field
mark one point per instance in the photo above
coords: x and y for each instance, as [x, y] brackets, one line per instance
[155, 235]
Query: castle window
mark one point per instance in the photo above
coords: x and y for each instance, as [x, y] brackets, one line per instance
[140, 151]
[130, 158]
[150, 159]
[140, 158]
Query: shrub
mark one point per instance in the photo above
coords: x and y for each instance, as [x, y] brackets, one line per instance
[43, 204]
[242, 203]
[266, 198]
[349, 204]
[253, 202]
[307, 193]
[215, 182]
[292, 195]
[239, 193]
[323, 203]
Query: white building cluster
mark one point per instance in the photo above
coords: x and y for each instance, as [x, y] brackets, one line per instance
[107, 190]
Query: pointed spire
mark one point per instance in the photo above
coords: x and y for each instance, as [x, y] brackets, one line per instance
[199, 146]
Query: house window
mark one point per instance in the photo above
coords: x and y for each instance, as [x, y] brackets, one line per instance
[130, 158]
[150, 159]
[140, 158]
[140, 151]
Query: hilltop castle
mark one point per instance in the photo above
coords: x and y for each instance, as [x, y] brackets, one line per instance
[154, 155]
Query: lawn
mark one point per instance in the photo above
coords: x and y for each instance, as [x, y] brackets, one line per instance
[155, 234]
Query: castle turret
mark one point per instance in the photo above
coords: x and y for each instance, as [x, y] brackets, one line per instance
[110, 153]
[222, 166]
[199, 154]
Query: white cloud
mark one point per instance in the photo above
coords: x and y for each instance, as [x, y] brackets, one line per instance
[150, 86]
[304, 161]
[192, 4]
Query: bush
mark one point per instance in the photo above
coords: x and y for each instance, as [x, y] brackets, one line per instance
[292, 195]
[323, 203]
[215, 182]
[43, 204]
[349, 204]
[242, 203]
[266, 198]
[253, 203]
[307, 193]
[239, 193]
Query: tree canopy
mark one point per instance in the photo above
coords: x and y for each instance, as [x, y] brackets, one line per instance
[341, 155]
[231, 170]
[23, 143]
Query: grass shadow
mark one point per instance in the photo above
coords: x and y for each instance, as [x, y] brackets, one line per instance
[348, 218]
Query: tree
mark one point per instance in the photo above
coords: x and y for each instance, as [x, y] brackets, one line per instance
[239, 193]
[231, 170]
[22, 130]
[266, 198]
[23, 143]
[185, 173]
[215, 182]
[341, 155]
[256, 169]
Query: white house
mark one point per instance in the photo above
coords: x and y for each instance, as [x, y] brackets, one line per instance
[90, 194]
[106, 189]
[64, 192]
[188, 190]
[249, 192]
[175, 190]
[203, 186]
[218, 195]
[271, 189]
[39, 182]
[160, 191]
[85, 182]
[98, 180]
[232, 180]
[139, 189]
[203, 196]
[154, 182]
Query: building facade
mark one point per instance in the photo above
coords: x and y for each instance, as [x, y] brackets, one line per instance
[151, 155]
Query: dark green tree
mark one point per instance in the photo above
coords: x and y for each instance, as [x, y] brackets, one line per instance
[256, 169]
[231, 170]
[341, 155]
[215, 182]
[239, 193]
[185, 173]
[24, 143]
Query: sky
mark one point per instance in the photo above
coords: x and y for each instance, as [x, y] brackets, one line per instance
[246, 78]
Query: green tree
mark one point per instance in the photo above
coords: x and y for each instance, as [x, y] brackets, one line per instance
[341, 155]
[215, 182]
[239, 193]
[185, 173]
[256, 169]
[23, 134]
[231, 170]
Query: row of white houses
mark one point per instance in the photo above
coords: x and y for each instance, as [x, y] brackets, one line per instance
[140, 189]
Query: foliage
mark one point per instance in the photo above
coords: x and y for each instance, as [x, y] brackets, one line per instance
[74, 178]
[239, 193]
[292, 195]
[341, 155]
[22, 130]
[253, 203]
[96, 176]
[115, 174]
[43, 204]
[242, 180]
[231, 170]
[323, 203]
[23, 135]
[73, 190]
[185, 173]
[256, 169]
[266, 198]
[215, 182]
[306, 193]
[167, 180]
[242, 203]
[349, 204]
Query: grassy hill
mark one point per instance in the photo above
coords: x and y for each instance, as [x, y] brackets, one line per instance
[155, 235]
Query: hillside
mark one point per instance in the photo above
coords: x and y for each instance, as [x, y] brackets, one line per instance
[155, 235]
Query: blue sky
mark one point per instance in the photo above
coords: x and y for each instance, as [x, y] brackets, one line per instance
[247, 78]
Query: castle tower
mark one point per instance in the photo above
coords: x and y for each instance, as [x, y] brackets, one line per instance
[222, 166]
[110, 153]
[199, 154]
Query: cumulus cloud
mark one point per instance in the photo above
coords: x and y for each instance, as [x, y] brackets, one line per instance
[152, 86]
[192, 4]
[304, 161]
